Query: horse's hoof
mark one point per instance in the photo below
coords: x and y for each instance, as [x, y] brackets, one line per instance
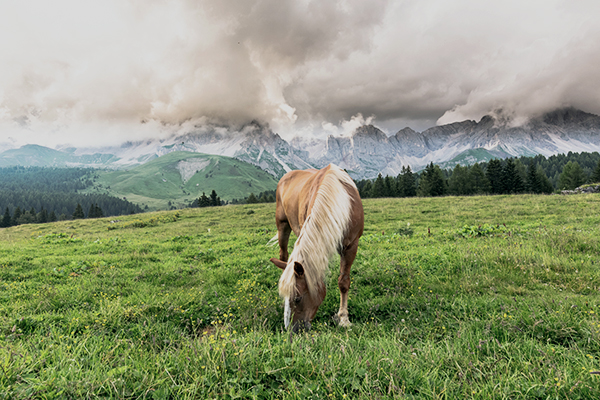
[342, 321]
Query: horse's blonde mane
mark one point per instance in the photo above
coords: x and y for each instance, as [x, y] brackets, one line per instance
[322, 233]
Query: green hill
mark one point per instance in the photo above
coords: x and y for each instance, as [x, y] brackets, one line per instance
[180, 177]
[473, 156]
[32, 155]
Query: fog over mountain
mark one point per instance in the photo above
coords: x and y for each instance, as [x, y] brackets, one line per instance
[83, 74]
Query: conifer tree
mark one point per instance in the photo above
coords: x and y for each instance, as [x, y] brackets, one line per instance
[203, 201]
[544, 184]
[511, 181]
[365, 193]
[43, 216]
[480, 183]
[432, 182]
[378, 187]
[408, 183]
[595, 178]
[213, 199]
[459, 182]
[78, 213]
[572, 176]
[6, 220]
[52, 216]
[532, 185]
[494, 176]
[391, 188]
[16, 216]
[251, 199]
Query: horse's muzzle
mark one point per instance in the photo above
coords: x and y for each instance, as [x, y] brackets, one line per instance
[301, 326]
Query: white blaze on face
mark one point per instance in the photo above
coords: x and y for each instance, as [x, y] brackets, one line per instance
[287, 314]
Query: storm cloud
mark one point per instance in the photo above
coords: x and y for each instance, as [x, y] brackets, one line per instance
[99, 73]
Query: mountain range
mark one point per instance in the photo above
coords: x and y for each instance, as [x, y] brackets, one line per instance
[365, 153]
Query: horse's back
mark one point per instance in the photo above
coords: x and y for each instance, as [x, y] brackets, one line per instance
[297, 191]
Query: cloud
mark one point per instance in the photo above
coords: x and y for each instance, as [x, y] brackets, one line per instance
[83, 73]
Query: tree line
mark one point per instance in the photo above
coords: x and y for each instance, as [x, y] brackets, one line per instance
[20, 217]
[213, 200]
[39, 195]
[512, 175]
[207, 201]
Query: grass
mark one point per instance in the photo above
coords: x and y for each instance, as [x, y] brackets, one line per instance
[457, 297]
[159, 183]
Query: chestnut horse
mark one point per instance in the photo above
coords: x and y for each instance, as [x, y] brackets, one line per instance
[324, 210]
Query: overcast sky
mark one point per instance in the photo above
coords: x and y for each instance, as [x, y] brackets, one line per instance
[95, 73]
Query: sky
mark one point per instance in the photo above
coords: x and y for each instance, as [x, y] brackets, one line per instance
[97, 73]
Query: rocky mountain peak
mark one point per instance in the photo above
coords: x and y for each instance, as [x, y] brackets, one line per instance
[571, 117]
[369, 131]
[406, 132]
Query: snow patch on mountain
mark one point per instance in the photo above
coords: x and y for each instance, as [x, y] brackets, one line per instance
[188, 168]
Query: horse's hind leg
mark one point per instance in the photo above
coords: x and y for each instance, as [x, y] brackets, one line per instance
[346, 259]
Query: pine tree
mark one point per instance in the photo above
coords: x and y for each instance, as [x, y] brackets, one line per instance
[544, 184]
[366, 190]
[43, 216]
[5, 223]
[378, 187]
[494, 176]
[203, 201]
[595, 178]
[532, 184]
[480, 183]
[52, 216]
[511, 181]
[251, 199]
[391, 189]
[16, 216]
[213, 199]
[408, 183]
[460, 182]
[78, 213]
[432, 182]
[572, 176]
[439, 185]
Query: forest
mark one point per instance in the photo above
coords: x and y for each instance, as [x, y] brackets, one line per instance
[38, 195]
[510, 176]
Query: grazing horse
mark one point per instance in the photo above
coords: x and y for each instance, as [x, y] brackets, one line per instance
[324, 210]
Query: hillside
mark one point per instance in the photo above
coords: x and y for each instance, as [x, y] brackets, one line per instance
[479, 297]
[32, 155]
[178, 178]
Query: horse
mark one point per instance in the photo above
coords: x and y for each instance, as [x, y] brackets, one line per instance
[325, 212]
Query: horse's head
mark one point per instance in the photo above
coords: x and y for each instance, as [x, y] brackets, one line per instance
[301, 306]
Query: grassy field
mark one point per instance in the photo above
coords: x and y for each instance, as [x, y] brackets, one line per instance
[162, 181]
[451, 298]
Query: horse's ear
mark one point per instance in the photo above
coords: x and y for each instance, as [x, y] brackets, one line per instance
[298, 268]
[279, 263]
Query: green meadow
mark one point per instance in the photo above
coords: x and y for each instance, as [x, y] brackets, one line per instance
[180, 177]
[490, 297]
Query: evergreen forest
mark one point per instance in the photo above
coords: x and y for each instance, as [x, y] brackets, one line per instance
[510, 176]
[38, 195]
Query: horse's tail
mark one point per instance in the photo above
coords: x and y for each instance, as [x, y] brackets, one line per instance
[273, 240]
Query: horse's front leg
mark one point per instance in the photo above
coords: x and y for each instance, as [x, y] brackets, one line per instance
[283, 235]
[346, 259]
